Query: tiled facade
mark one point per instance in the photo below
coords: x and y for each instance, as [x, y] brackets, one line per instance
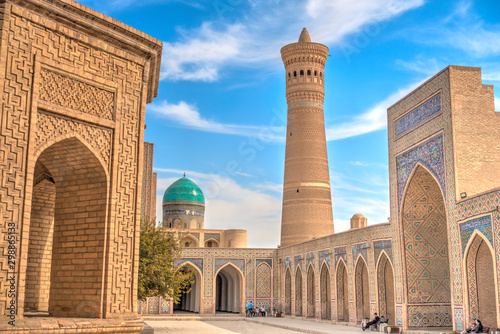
[148, 192]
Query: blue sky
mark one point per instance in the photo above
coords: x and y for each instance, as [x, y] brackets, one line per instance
[220, 114]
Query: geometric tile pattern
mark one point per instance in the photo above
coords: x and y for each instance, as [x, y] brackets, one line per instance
[382, 298]
[429, 154]
[298, 292]
[288, 292]
[309, 259]
[360, 249]
[482, 224]
[198, 262]
[165, 306]
[324, 255]
[341, 286]
[417, 116]
[382, 245]
[215, 236]
[268, 261]
[472, 277]
[426, 247]
[288, 262]
[263, 281]
[239, 263]
[340, 253]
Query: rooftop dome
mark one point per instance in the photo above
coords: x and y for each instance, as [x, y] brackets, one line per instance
[184, 190]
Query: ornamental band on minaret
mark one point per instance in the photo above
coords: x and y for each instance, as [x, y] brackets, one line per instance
[307, 204]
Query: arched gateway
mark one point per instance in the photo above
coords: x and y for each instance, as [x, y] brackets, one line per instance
[228, 290]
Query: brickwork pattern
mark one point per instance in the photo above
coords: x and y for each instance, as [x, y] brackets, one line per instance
[98, 95]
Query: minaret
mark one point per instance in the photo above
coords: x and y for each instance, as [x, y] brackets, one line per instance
[307, 203]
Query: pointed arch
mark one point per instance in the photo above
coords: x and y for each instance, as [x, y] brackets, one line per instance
[311, 292]
[229, 289]
[288, 292]
[298, 291]
[362, 287]
[480, 273]
[325, 292]
[385, 284]
[191, 296]
[263, 277]
[73, 193]
[342, 292]
[189, 240]
[212, 243]
[425, 239]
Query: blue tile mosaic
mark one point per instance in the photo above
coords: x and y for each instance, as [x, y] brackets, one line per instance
[429, 154]
[360, 249]
[324, 255]
[482, 224]
[380, 245]
[417, 116]
[340, 253]
[298, 260]
[288, 262]
[268, 261]
[198, 262]
[215, 236]
[239, 263]
[309, 259]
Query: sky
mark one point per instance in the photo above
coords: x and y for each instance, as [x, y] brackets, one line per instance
[220, 113]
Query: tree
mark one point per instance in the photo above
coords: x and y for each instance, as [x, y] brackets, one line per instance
[158, 275]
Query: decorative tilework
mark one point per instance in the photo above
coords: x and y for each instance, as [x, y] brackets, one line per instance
[417, 116]
[482, 224]
[263, 281]
[309, 259]
[297, 260]
[153, 305]
[399, 315]
[288, 262]
[429, 154]
[429, 316]
[165, 306]
[360, 249]
[268, 261]
[239, 263]
[340, 253]
[215, 236]
[382, 245]
[459, 319]
[298, 292]
[198, 262]
[195, 234]
[324, 255]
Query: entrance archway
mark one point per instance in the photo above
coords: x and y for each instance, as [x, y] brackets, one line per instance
[228, 289]
[385, 280]
[426, 252]
[342, 293]
[288, 292]
[481, 281]
[311, 293]
[298, 292]
[191, 295]
[362, 290]
[325, 295]
[67, 231]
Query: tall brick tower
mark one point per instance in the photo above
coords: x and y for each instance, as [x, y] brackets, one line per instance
[307, 204]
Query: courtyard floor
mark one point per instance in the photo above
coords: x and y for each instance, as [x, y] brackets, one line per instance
[230, 325]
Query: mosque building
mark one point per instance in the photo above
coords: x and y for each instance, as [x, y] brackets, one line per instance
[435, 264]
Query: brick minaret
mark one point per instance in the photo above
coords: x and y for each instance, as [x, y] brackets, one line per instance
[307, 204]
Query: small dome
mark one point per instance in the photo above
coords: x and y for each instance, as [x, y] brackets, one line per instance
[358, 215]
[304, 36]
[184, 190]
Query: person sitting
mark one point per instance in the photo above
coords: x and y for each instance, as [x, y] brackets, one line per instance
[249, 309]
[479, 327]
[472, 328]
[263, 311]
[372, 322]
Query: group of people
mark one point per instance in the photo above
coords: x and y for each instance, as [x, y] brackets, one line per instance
[475, 327]
[255, 311]
[375, 321]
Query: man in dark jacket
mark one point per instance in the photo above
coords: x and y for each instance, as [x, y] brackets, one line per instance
[373, 322]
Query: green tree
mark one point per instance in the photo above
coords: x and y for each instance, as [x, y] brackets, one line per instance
[157, 273]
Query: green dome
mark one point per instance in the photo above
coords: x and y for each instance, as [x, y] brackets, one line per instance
[184, 190]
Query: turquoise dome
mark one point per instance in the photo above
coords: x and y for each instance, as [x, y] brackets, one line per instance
[184, 190]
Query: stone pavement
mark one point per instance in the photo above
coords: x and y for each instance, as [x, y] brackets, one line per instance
[233, 325]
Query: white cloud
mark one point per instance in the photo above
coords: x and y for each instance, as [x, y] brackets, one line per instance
[188, 116]
[372, 120]
[497, 103]
[229, 205]
[422, 65]
[255, 39]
